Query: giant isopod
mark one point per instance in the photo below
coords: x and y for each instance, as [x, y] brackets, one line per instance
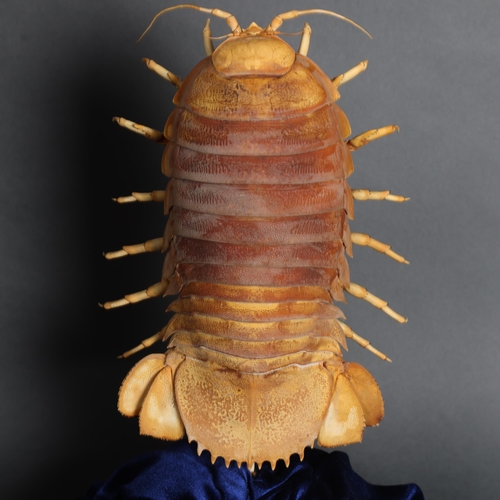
[258, 155]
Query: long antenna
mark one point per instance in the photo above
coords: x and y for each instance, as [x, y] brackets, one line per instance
[278, 20]
[230, 19]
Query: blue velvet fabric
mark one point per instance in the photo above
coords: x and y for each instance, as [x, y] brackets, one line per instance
[179, 473]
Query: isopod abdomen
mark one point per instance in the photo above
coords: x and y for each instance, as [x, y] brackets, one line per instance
[257, 154]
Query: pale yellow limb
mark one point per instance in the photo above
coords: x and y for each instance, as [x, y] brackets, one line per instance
[207, 40]
[366, 194]
[363, 239]
[155, 290]
[163, 72]
[158, 195]
[229, 18]
[349, 75]
[362, 342]
[305, 40]
[149, 133]
[144, 344]
[153, 245]
[370, 135]
[362, 293]
[292, 14]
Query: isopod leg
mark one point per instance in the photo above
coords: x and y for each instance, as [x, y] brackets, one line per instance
[158, 289]
[349, 75]
[155, 290]
[305, 40]
[148, 132]
[363, 239]
[366, 194]
[144, 344]
[163, 72]
[157, 195]
[362, 293]
[207, 39]
[370, 135]
[362, 342]
[154, 245]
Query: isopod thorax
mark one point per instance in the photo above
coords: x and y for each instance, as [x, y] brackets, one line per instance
[257, 153]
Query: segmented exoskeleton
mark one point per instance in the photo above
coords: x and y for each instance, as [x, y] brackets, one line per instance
[258, 202]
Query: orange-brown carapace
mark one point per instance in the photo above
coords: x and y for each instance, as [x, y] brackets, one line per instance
[258, 202]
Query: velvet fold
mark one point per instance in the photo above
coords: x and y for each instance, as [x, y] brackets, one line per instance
[179, 473]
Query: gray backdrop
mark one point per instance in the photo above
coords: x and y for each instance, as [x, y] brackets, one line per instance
[69, 66]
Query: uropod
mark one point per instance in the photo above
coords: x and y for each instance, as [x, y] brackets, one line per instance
[257, 153]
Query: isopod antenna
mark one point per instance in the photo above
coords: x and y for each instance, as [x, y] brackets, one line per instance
[230, 19]
[292, 14]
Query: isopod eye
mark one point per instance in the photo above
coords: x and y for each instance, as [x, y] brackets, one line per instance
[253, 56]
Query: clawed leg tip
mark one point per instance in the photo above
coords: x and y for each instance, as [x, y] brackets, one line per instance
[106, 305]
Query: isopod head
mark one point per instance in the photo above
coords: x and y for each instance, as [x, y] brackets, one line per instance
[255, 53]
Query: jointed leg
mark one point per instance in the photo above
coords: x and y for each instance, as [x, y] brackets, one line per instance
[366, 194]
[154, 245]
[362, 293]
[158, 195]
[164, 73]
[207, 40]
[362, 342]
[149, 133]
[144, 344]
[155, 290]
[305, 40]
[366, 240]
[349, 75]
[369, 136]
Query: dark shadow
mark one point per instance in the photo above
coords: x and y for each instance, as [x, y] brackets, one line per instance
[77, 344]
